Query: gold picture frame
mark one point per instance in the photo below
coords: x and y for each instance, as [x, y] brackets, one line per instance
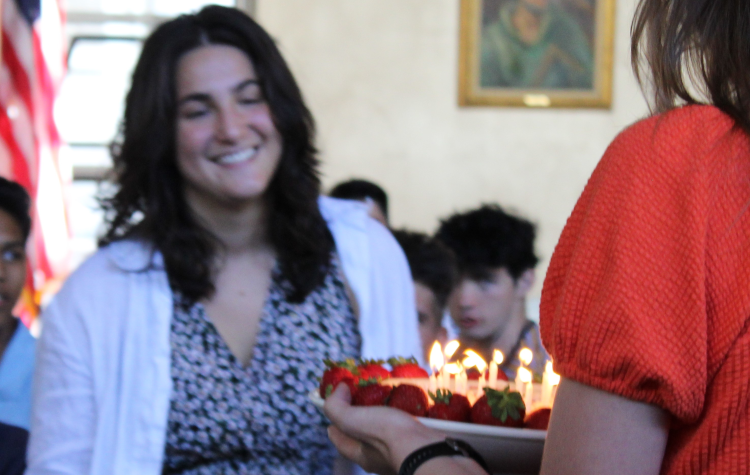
[536, 53]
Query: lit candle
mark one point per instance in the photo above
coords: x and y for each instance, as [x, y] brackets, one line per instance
[445, 378]
[473, 359]
[453, 369]
[497, 360]
[525, 356]
[526, 387]
[461, 381]
[436, 363]
[451, 348]
[480, 386]
[550, 380]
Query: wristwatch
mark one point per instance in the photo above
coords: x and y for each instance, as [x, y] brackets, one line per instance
[448, 448]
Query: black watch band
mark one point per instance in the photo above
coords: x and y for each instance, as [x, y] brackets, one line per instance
[447, 448]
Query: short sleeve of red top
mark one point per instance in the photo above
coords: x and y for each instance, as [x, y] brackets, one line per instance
[648, 292]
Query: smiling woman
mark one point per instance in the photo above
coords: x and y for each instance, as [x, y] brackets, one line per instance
[189, 342]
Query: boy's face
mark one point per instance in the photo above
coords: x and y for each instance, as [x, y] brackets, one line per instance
[12, 263]
[430, 319]
[376, 212]
[481, 307]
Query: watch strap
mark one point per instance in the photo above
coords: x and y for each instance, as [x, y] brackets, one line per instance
[447, 448]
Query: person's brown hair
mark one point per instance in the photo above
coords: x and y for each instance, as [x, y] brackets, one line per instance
[149, 202]
[703, 43]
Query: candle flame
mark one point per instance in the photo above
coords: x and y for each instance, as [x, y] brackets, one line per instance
[497, 357]
[552, 377]
[524, 375]
[525, 355]
[473, 359]
[436, 356]
[453, 368]
[451, 348]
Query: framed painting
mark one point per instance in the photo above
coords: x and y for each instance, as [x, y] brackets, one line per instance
[536, 53]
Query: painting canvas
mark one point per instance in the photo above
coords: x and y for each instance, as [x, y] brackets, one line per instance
[543, 53]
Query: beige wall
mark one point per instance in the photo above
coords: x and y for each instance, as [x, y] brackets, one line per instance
[380, 78]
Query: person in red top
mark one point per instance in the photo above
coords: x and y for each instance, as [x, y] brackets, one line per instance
[646, 303]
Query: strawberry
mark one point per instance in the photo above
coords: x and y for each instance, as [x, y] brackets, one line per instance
[406, 368]
[373, 369]
[449, 407]
[337, 372]
[411, 399]
[538, 419]
[473, 374]
[499, 408]
[371, 393]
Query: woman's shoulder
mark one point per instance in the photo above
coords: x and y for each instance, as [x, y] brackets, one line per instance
[682, 128]
[111, 264]
[125, 255]
[673, 145]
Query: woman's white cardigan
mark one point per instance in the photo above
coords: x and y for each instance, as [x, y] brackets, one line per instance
[102, 382]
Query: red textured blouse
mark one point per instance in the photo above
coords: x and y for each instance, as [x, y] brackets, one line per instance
[648, 292]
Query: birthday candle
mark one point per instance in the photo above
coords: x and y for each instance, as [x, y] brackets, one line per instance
[497, 360]
[473, 359]
[461, 382]
[436, 363]
[550, 380]
[524, 378]
[525, 387]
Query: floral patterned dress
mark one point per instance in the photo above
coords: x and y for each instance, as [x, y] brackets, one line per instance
[229, 419]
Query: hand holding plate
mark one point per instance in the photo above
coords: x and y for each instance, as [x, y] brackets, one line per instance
[377, 438]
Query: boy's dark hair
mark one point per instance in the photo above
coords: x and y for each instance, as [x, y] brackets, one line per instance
[488, 238]
[16, 202]
[357, 189]
[432, 263]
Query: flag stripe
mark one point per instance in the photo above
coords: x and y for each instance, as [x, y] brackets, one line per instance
[18, 163]
[47, 89]
[29, 136]
[20, 77]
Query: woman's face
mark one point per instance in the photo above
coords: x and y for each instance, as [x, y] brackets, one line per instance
[227, 145]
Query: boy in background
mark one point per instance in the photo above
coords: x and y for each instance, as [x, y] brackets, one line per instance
[17, 345]
[367, 192]
[433, 269]
[496, 260]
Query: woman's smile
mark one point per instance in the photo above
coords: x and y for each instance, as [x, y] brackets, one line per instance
[236, 157]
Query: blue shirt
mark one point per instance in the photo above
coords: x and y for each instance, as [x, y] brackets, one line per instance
[16, 372]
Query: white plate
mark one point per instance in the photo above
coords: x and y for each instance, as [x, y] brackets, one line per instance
[506, 450]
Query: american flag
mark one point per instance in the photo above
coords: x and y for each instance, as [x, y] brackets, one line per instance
[33, 65]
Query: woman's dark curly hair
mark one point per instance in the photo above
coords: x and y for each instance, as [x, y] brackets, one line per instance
[149, 203]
